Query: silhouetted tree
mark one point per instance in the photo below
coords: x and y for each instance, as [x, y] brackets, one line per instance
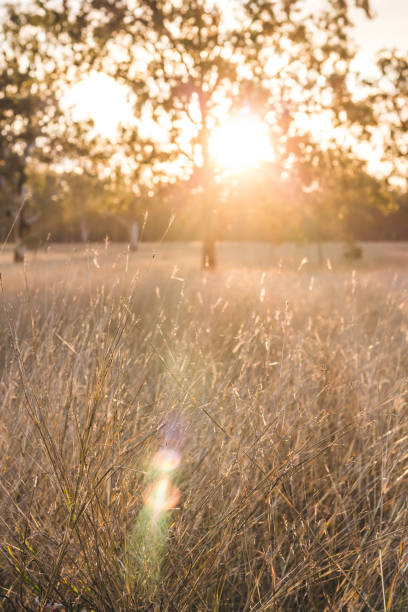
[28, 106]
[191, 65]
[35, 72]
[389, 97]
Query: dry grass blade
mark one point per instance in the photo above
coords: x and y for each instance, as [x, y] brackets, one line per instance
[288, 414]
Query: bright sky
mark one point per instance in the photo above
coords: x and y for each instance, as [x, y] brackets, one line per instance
[389, 28]
[102, 99]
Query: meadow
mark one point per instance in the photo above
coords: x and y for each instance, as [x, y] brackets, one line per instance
[172, 439]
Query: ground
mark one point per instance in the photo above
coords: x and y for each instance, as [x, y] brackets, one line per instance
[173, 439]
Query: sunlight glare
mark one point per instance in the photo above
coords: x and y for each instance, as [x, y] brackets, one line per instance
[240, 144]
[100, 98]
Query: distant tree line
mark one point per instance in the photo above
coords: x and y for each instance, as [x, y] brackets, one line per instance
[79, 208]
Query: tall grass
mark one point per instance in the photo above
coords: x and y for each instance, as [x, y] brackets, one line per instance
[284, 394]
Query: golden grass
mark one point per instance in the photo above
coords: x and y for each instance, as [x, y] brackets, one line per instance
[283, 391]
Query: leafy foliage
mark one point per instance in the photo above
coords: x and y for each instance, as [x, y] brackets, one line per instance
[189, 66]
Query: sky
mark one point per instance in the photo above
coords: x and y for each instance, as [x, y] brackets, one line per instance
[388, 29]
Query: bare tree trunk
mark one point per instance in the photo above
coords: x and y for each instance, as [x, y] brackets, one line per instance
[134, 236]
[208, 211]
[17, 197]
[209, 260]
[19, 253]
[83, 230]
[18, 221]
[209, 243]
[320, 253]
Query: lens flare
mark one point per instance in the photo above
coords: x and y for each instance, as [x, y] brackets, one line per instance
[241, 143]
[166, 460]
[148, 538]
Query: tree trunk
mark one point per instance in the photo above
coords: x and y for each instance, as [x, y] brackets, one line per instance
[134, 236]
[208, 212]
[20, 225]
[18, 229]
[209, 243]
[19, 253]
[83, 229]
[209, 260]
[319, 253]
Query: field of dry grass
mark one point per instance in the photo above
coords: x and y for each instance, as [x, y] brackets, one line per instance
[179, 440]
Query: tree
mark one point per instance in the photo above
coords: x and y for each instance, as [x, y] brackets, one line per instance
[125, 205]
[28, 107]
[389, 98]
[192, 65]
[205, 63]
[342, 200]
[35, 73]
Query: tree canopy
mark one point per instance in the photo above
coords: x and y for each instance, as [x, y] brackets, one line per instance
[189, 69]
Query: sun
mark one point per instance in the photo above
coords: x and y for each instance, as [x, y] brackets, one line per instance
[240, 144]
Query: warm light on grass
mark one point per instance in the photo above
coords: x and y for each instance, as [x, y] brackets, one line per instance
[280, 388]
